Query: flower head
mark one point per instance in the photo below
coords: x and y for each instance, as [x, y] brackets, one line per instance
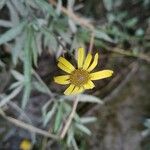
[25, 145]
[80, 78]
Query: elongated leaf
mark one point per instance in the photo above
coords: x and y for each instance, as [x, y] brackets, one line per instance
[58, 119]
[49, 115]
[46, 7]
[17, 49]
[18, 76]
[70, 136]
[6, 99]
[34, 49]
[15, 85]
[85, 98]
[12, 33]
[2, 3]
[83, 128]
[85, 120]
[27, 69]
[102, 35]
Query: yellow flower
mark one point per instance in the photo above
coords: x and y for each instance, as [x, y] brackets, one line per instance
[25, 145]
[81, 78]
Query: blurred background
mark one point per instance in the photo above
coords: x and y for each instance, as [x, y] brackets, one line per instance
[115, 115]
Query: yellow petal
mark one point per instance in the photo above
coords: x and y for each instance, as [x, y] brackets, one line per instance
[69, 89]
[78, 90]
[62, 79]
[93, 65]
[75, 91]
[66, 63]
[87, 61]
[81, 90]
[101, 74]
[64, 68]
[80, 57]
[89, 85]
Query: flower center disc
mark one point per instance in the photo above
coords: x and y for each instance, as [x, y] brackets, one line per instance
[79, 77]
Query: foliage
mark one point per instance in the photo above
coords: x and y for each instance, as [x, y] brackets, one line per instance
[36, 26]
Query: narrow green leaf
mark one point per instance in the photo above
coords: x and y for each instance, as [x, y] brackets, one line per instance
[34, 49]
[14, 93]
[70, 136]
[102, 35]
[12, 33]
[27, 68]
[2, 3]
[50, 114]
[15, 85]
[58, 118]
[85, 120]
[83, 128]
[85, 98]
[17, 75]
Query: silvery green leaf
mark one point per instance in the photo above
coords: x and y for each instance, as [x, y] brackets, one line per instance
[49, 114]
[145, 133]
[147, 123]
[59, 5]
[5, 23]
[9, 97]
[83, 128]
[39, 43]
[108, 4]
[52, 43]
[15, 85]
[34, 49]
[17, 49]
[14, 16]
[72, 26]
[85, 120]
[45, 107]
[18, 76]
[131, 22]
[20, 7]
[58, 118]
[85, 98]
[67, 108]
[74, 144]
[40, 87]
[32, 4]
[46, 7]
[2, 3]
[71, 4]
[70, 136]
[102, 35]
[2, 64]
[27, 68]
[12, 33]
[65, 36]
[139, 32]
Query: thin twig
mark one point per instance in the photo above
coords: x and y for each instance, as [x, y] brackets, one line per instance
[128, 53]
[27, 126]
[81, 21]
[69, 120]
[91, 41]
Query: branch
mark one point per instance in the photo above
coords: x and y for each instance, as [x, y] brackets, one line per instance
[27, 126]
[70, 118]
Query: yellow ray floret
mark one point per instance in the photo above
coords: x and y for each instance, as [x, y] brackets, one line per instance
[62, 79]
[101, 74]
[80, 57]
[80, 78]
